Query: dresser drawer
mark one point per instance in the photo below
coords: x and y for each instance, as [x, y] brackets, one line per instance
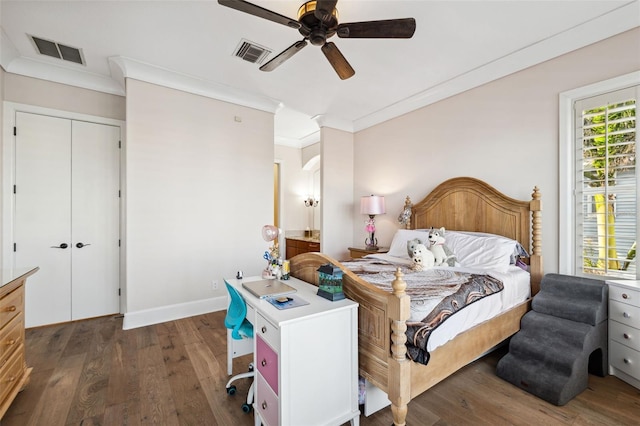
[11, 372]
[11, 337]
[625, 295]
[626, 314]
[624, 359]
[269, 332]
[11, 305]
[622, 333]
[267, 360]
[267, 403]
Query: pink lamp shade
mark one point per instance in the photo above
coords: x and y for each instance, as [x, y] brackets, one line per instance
[372, 205]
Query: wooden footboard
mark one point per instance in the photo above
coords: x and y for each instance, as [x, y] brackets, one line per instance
[374, 322]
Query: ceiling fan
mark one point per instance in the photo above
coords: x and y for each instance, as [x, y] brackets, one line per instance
[317, 22]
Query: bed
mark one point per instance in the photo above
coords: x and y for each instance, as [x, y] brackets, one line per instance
[463, 204]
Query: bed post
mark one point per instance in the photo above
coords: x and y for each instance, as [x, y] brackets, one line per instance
[399, 364]
[405, 216]
[535, 261]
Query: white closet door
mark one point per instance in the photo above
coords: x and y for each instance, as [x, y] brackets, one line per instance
[67, 178]
[95, 202]
[43, 215]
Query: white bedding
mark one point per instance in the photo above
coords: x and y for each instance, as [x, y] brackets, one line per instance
[516, 290]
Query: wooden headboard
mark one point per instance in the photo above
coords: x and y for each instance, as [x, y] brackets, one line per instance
[469, 204]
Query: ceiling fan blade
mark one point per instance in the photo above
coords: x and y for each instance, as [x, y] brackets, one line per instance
[337, 61]
[324, 9]
[284, 55]
[390, 28]
[261, 12]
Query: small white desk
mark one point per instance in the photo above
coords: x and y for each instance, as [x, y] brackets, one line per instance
[306, 359]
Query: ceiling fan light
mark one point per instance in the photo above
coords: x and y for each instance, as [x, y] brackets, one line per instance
[310, 7]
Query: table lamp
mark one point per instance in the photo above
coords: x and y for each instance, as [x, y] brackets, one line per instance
[371, 205]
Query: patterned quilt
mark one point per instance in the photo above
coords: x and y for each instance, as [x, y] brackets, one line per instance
[449, 290]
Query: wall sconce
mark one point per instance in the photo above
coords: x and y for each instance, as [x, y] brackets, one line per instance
[371, 205]
[311, 202]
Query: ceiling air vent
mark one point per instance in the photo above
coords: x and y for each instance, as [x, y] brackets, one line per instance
[57, 50]
[251, 52]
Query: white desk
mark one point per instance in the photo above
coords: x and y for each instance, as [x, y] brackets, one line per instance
[306, 359]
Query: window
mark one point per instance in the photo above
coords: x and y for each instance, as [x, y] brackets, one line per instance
[601, 184]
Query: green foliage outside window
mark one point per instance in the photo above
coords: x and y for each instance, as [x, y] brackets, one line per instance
[609, 169]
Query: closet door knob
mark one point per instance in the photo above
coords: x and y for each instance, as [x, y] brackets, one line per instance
[80, 245]
[61, 246]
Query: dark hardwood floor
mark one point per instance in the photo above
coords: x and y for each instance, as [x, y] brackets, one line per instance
[94, 373]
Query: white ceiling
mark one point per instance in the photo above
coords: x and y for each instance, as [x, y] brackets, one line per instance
[190, 44]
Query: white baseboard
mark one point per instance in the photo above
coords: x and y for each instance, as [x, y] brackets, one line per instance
[173, 312]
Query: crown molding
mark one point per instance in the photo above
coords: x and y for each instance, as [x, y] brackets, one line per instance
[123, 67]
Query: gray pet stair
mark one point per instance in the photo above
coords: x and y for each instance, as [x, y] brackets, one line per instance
[561, 340]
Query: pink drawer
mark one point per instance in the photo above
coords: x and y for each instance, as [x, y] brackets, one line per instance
[267, 403]
[267, 361]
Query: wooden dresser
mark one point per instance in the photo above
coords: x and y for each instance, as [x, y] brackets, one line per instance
[297, 246]
[14, 374]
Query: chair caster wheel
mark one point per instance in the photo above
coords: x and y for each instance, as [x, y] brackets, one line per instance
[246, 408]
[231, 390]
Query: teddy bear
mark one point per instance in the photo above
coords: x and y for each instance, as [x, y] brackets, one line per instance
[442, 255]
[422, 258]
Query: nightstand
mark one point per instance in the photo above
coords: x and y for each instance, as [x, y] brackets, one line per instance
[624, 330]
[358, 252]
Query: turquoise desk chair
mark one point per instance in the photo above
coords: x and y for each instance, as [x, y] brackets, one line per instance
[239, 341]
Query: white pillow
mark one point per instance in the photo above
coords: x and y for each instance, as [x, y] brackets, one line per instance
[518, 249]
[481, 251]
[398, 247]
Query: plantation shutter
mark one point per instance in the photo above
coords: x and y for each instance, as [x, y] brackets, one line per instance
[606, 185]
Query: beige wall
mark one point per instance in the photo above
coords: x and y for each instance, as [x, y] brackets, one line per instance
[336, 200]
[33, 91]
[199, 189]
[505, 132]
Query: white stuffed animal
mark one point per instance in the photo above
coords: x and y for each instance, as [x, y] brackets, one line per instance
[441, 253]
[422, 258]
[411, 244]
